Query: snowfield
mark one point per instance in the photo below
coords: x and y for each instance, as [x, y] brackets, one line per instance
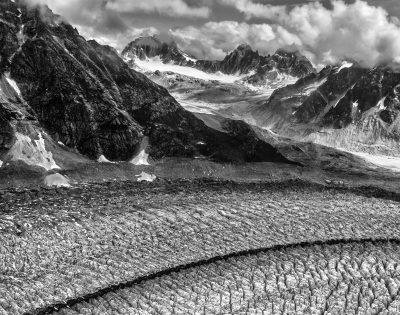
[197, 106]
[270, 85]
[388, 162]
[32, 152]
[154, 64]
[56, 180]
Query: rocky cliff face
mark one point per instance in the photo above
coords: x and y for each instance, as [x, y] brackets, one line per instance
[81, 94]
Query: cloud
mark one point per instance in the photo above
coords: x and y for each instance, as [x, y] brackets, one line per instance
[117, 40]
[95, 21]
[177, 8]
[357, 31]
[214, 39]
[251, 9]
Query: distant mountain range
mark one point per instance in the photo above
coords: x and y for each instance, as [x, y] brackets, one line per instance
[242, 60]
[349, 107]
[346, 106]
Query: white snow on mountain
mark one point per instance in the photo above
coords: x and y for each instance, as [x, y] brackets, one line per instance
[381, 103]
[345, 64]
[103, 159]
[32, 152]
[314, 86]
[13, 84]
[186, 56]
[270, 85]
[197, 106]
[154, 64]
[387, 162]
[56, 180]
[142, 158]
[145, 177]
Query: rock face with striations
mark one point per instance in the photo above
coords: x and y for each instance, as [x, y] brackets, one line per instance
[83, 95]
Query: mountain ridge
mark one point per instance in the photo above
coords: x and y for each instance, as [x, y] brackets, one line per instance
[82, 94]
[350, 107]
[242, 60]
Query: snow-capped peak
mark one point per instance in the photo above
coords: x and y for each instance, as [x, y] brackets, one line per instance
[345, 64]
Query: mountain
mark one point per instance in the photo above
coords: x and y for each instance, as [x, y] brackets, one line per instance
[348, 106]
[243, 60]
[150, 47]
[345, 106]
[61, 94]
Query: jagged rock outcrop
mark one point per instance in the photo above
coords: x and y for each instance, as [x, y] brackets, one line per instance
[244, 60]
[86, 97]
[282, 62]
[149, 47]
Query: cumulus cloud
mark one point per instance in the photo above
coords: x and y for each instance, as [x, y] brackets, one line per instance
[326, 34]
[117, 40]
[251, 9]
[94, 20]
[357, 31]
[214, 39]
[164, 7]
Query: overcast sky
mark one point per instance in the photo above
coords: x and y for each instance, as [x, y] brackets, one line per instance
[326, 31]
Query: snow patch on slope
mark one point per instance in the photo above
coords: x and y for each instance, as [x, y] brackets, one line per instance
[388, 162]
[145, 177]
[381, 104]
[56, 180]
[142, 158]
[271, 85]
[103, 159]
[1, 163]
[13, 84]
[314, 86]
[154, 64]
[32, 152]
[186, 56]
[201, 107]
[345, 64]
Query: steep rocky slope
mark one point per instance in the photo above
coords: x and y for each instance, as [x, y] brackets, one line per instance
[60, 88]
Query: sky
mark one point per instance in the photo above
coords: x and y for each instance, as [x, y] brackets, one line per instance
[326, 31]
